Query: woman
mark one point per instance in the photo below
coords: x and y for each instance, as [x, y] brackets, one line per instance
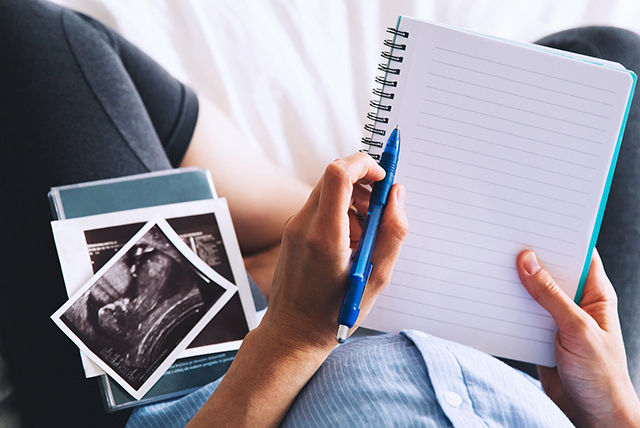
[80, 103]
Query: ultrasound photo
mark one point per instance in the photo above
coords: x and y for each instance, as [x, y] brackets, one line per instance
[142, 306]
[202, 234]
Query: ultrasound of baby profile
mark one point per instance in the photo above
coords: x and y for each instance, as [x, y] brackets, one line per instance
[142, 307]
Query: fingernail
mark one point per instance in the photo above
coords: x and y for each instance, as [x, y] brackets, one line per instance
[402, 194]
[531, 264]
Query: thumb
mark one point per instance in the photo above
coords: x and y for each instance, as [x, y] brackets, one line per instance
[391, 234]
[543, 289]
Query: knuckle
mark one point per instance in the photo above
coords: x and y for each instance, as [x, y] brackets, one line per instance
[317, 243]
[292, 228]
[401, 230]
[379, 279]
[337, 170]
[363, 157]
[548, 286]
[579, 327]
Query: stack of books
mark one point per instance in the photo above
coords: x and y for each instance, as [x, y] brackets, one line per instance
[159, 300]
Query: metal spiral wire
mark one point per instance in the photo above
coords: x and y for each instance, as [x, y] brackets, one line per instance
[383, 93]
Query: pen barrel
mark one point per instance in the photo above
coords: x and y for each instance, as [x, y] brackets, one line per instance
[350, 308]
[381, 189]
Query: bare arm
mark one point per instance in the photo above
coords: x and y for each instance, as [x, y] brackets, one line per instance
[261, 196]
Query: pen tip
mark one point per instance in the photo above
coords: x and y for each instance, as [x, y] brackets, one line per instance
[396, 127]
[343, 332]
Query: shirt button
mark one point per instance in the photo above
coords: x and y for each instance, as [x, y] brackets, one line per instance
[452, 399]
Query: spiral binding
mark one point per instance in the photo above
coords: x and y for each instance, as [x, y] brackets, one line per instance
[383, 93]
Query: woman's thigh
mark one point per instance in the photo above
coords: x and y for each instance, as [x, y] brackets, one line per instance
[70, 112]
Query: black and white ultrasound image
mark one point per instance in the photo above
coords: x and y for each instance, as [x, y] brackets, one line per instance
[142, 307]
[202, 234]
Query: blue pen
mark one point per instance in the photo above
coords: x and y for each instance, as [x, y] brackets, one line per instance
[361, 267]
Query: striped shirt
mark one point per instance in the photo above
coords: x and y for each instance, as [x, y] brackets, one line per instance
[407, 379]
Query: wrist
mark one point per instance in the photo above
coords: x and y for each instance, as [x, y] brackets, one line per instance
[624, 413]
[628, 415]
[290, 344]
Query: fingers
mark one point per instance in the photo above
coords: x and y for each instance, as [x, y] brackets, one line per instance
[337, 188]
[544, 290]
[597, 287]
[355, 230]
[361, 196]
[391, 234]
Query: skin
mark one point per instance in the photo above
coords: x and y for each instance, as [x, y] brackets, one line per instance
[591, 383]
[300, 259]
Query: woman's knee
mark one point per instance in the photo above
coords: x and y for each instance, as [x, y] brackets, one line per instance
[606, 42]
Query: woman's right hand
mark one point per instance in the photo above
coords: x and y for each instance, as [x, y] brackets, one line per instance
[591, 382]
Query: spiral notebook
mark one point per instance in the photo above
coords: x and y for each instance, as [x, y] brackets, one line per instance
[505, 146]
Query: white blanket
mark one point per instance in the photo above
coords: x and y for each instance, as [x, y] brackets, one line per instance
[296, 76]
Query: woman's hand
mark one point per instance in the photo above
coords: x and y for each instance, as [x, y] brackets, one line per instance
[591, 383]
[299, 329]
[315, 257]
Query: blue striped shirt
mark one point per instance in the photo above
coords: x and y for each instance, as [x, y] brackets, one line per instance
[406, 379]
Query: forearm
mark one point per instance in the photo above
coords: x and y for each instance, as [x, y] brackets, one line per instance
[261, 195]
[262, 383]
[261, 266]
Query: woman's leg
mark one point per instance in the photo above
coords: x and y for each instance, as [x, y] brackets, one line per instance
[619, 240]
[78, 103]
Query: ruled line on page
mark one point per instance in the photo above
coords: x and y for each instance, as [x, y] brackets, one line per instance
[528, 165]
[544, 88]
[486, 235]
[518, 229]
[457, 296]
[494, 183]
[537, 113]
[529, 98]
[483, 261]
[496, 278]
[444, 253]
[490, 290]
[499, 212]
[511, 134]
[497, 171]
[518, 203]
[474, 314]
[466, 244]
[528, 125]
[528, 339]
[518, 149]
[525, 69]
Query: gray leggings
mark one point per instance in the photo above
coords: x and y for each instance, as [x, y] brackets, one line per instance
[619, 240]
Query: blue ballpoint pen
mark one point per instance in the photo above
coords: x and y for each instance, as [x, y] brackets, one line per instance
[361, 267]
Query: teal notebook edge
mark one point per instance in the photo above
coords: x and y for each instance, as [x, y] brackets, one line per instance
[605, 193]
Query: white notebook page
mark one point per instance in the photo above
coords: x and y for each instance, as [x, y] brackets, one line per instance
[503, 148]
